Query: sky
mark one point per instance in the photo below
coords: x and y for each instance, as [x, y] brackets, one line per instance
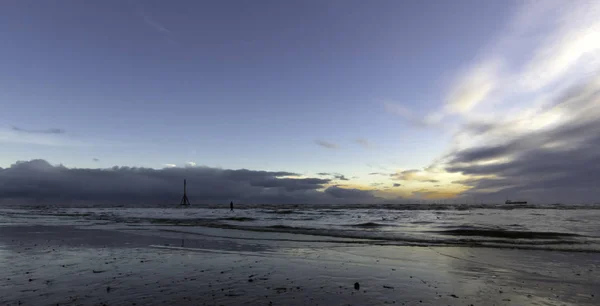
[303, 101]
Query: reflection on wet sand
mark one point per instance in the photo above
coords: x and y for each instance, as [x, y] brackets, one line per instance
[66, 265]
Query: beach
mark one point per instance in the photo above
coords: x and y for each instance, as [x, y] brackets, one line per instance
[50, 259]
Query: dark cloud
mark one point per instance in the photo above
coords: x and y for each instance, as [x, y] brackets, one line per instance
[324, 174]
[289, 184]
[95, 159]
[481, 153]
[397, 185]
[559, 164]
[38, 182]
[46, 131]
[356, 194]
[326, 144]
[340, 177]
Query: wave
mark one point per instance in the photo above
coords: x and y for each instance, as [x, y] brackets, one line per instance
[507, 234]
[422, 222]
[368, 224]
[241, 219]
[375, 238]
[412, 229]
[280, 226]
[281, 211]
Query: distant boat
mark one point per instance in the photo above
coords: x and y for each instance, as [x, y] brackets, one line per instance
[515, 202]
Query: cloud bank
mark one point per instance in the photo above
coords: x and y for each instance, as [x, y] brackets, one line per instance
[39, 182]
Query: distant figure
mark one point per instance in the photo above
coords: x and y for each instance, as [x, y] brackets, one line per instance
[231, 205]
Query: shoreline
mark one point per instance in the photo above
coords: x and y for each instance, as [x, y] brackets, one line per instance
[68, 265]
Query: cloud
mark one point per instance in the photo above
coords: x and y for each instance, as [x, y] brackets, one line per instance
[545, 47]
[356, 194]
[397, 185]
[326, 144]
[483, 153]
[473, 87]
[46, 131]
[148, 19]
[39, 182]
[526, 109]
[572, 45]
[340, 177]
[551, 163]
[336, 176]
[170, 165]
[413, 175]
[45, 137]
[432, 194]
[95, 159]
[190, 164]
[152, 23]
[412, 118]
[363, 142]
[377, 167]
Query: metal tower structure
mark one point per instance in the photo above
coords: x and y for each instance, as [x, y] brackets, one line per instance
[184, 200]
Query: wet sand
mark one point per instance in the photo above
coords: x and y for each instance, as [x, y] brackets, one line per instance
[65, 265]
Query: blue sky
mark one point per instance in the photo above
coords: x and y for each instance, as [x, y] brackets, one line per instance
[259, 84]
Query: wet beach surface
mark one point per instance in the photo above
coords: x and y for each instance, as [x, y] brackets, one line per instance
[68, 265]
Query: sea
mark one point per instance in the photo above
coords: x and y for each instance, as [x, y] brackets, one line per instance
[574, 228]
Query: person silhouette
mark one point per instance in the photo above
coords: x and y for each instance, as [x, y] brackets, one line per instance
[231, 205]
